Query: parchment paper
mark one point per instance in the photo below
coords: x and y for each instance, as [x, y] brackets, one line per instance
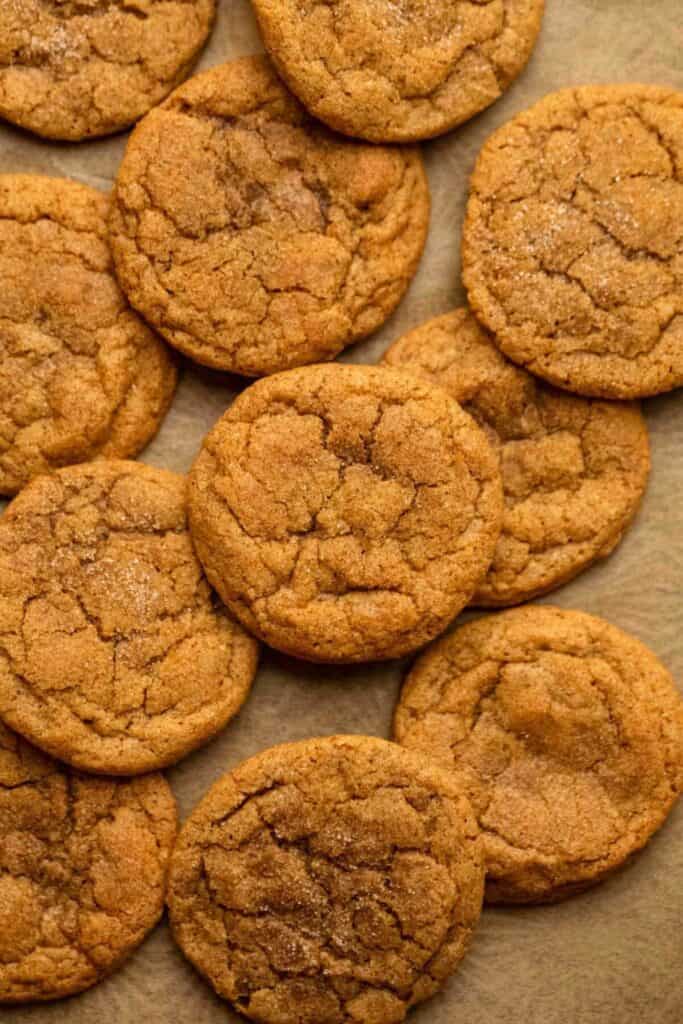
[615, 954]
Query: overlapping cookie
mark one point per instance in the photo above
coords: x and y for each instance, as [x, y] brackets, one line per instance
[345, 513]
[565, 733]
[81, 375]
[74, 70]
[116, 657]
[574, 470]
[254, 239]
[572, 242]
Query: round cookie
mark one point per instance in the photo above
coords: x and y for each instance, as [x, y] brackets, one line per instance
[573, 239]
[75, 70]
[115, 655]
[333, 880]
[83, 865]
[345, 513]
[566, 734]
[81, 375]
[574, 470]
[399, 70]
[251, 237]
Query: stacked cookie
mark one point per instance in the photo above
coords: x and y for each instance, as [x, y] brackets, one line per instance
[337, 513]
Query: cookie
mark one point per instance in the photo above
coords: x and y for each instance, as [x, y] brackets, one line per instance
[252, 238]
[83, 866]
[399, 70]
[74, 70]
[81, 375]
[566, 734]
[333, 880]
[574, 470]
[573, 236]
[115, 655]
[345, 513]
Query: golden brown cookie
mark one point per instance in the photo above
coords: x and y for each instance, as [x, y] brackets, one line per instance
[252, 238]
[566, 734]
[399, 70]
[345, 513]
[115, 655]
[74, 69]
[82, 871]
[574, 470]
[573, 240]
[81, 375]
[330, 881]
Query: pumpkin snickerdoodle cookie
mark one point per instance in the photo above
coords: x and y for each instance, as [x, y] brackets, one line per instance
[345, 513]
[566, 734]
[573, 241]
[75, 69]
[81, 375]
[574, 469]
[114, 654]
[399, 70]
[250, 236]
[334, 880]
[82, 871]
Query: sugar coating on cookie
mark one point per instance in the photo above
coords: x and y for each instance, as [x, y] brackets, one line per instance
[76, 69]
[574, 470]
[345, 513]
[83, 866]
[399, 70]
[573, 240]
[251, 237]
[566, 734]
[81, 375]
[334, 880]
[116, 656]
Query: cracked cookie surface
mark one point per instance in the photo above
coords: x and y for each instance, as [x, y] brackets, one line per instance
[574, 469]
[83, 866]
[251, 237]
[76, 69]
[81, 375]
[329, 881]
[345, 513]
[115, 655]
[573, 240]
[399, 70]
[565, 733]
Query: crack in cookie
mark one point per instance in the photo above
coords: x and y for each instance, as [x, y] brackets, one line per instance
[252, 238]
[398, 70]
[345, 513]
[573, 247]
[114, 654]
[574, 470]
[79, 70]
[82, 871]
[328, 882]
[566, 734]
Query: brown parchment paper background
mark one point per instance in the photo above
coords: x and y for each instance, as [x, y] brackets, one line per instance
[615, 954]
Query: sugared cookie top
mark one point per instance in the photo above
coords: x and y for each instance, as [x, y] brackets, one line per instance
[399, 70]
[574, 469]
[333, 880]
[117, 656]
[250, 236]
[345, 513]
[82, 871]
[566, 734]
[573, 241]
[81, 375]
[75, 69]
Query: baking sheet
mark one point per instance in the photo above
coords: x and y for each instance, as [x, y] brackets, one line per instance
[615, 954]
